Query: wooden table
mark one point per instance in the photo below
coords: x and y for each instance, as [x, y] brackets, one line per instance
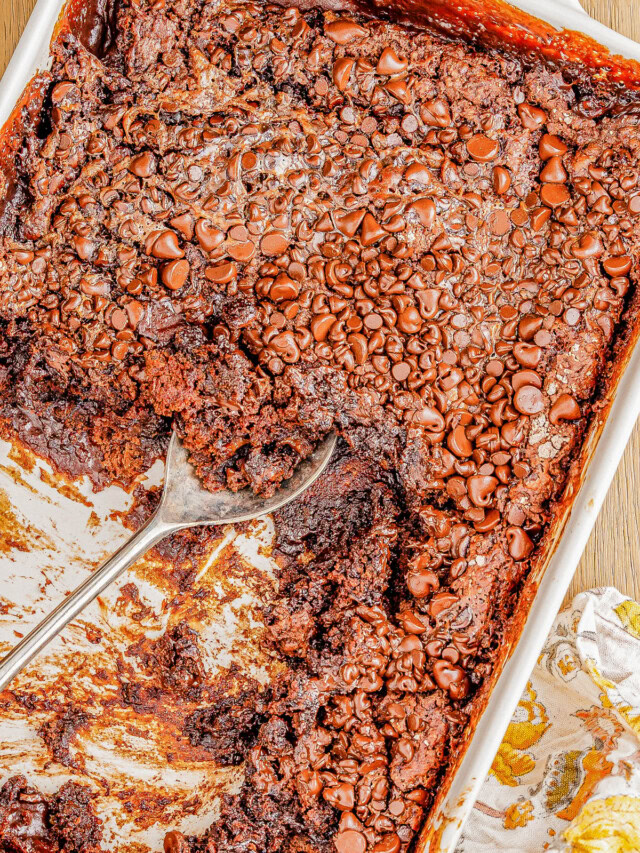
[612, 556]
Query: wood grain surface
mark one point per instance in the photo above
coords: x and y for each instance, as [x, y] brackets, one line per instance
[612, 556]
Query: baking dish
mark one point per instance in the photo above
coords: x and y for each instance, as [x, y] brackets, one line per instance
[442, 829]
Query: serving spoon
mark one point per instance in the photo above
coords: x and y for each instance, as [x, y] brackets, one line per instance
[184, 503]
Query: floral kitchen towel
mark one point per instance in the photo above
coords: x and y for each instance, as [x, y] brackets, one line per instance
[567, 775]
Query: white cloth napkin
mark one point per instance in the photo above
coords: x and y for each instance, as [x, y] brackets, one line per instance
[567, 775]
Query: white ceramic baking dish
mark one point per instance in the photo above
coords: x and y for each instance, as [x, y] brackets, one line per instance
[50, 533]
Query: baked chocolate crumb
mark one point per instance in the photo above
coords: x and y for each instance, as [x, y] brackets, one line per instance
[174, 659]
[31, 822]
[228, 728]
[59, 733]
[258, 225]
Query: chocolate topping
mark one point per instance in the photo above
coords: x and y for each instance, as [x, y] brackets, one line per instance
[256, 225]
[30, 822]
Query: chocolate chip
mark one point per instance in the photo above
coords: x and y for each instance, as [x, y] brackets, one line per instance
[501, 180]
[528, 355]
[528, 326]
[221, 273]
[480, 488]
[390, 63]
[184, 224]
[458, 443]
[342, 69]
[588, 246]
[528, 400]
[531, 117]
[421, 582]
[409, 320]
[409, 124]
[274, 243]
[175, 274]
[554, 171]
[373, 321]
[371, 232]
[418, 173]
[542, 338]
[551, 146]
[389, 843]
[520, 217]
[144, 165]
[564, 408]
[321, 325]
[340, 797]
[482, 148]
[285, 347]
[634, 204]
[118, 319]
[242, 252]
[520, 545]
[175, 842]
[554, 195]
[238, 232]
[350, 841]
[135, 312]
[541, 215]
[284, 288]
[119, 350]
[435, 113]
[401, 371]
[500, 223]
[344, 31]
[208, 235]
[165, 246]
[447, 674]
[425, 210]
[525, 377]
[615, 266]
[348, 221]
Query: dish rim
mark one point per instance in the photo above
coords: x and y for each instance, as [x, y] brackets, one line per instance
[602, 451]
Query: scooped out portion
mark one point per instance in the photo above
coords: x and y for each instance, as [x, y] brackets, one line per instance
[242, 427]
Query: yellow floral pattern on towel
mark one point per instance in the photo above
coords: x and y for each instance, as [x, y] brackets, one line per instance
[567, 774]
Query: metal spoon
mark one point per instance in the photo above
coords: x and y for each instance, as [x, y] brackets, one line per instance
[184, 503]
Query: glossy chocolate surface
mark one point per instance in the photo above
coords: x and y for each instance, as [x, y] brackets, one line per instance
[260, 224]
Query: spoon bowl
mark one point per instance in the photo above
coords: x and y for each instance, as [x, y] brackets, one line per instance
[185, 502]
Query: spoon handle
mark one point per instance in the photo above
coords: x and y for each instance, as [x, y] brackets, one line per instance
[153, 531]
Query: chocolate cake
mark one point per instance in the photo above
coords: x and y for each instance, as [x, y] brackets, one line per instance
[257, 225]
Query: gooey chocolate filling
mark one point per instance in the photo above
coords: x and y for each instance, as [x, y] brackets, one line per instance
[260, 224]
